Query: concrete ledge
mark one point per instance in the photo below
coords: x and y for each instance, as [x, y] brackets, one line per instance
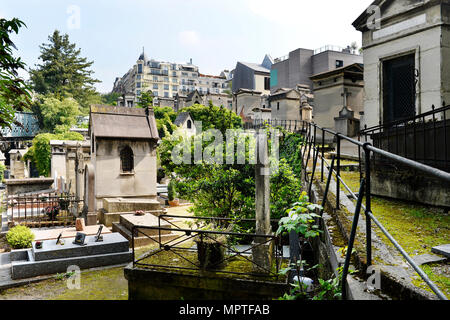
[152, 284]
[22, 270]
[16, 186]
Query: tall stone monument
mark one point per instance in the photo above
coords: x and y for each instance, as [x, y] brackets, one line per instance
[262, 250]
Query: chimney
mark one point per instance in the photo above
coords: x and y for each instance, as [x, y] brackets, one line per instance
[191, 61]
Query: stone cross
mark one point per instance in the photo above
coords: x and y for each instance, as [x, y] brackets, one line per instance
[262, 250]
[345, 96]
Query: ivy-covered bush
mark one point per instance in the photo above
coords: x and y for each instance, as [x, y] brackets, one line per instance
[40, 152]
[20, 237]
[2, 170]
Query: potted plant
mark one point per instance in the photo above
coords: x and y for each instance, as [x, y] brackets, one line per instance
[173, 202]
[211, 248]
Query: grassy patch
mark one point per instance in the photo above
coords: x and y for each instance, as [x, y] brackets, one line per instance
[439, 274]
[188, 259]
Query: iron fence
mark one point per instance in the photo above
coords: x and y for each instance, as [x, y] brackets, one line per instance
[423, 138]
[42, 209]
[182, 247]
[314, 145]
[288, 125]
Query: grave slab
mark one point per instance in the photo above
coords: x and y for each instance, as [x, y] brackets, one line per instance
[112, 243]
[442, 250]
[54, 258]
[427, 259]
[52, 234]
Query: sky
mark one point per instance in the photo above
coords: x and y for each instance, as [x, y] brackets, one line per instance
[215, 34]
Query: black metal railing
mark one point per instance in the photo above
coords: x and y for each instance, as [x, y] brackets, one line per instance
[315, 143]
[42, 209]
[184, 250]
[423, 138]
[288, 125]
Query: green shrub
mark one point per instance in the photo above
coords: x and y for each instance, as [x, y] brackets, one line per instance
[171, 190]
[20, 237]
[2, 170]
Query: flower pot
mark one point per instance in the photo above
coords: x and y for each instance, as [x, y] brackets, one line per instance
[174, 203]
[210, 254]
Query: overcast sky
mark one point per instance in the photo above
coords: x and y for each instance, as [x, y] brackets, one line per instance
[215, 34]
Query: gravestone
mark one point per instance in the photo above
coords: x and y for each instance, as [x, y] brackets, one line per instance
[346, 123]
[89, 195]
[443, 250]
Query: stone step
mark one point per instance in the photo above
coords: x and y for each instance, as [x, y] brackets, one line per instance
[148, 220]
[107, 218]
[130, 205]
[143, 240]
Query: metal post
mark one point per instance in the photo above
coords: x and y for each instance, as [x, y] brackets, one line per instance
[338, 171]
[323, 154]
[368, 207]
[352, 240]
[327, 187]
[313, 171]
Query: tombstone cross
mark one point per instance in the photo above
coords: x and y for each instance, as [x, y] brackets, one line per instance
[345, 96]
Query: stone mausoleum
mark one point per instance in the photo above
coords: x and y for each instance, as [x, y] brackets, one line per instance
[123, 158]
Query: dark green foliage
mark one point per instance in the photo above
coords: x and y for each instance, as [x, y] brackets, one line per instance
[290, 149]
[64, 72]
[213, 117]
[14, 93]
[40, 152]
[110, 98]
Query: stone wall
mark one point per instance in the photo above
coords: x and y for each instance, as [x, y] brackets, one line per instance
[399, 182]
[110, 182]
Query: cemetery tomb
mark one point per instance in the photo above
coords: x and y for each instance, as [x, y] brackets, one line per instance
[56, 256]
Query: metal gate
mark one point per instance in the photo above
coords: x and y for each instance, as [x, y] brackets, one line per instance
[43, 210]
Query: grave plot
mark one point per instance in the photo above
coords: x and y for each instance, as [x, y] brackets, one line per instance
[55, 256]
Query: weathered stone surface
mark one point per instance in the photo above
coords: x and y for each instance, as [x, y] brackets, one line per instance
[159, 285]
[22, 270]
[428, 258]
[442, 250]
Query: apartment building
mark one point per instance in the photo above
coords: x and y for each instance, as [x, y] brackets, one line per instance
[301, 64]
[165, 80]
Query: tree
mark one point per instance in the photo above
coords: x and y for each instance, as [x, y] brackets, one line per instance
[64, 73]
[214, 117]
[14, 93]
[110, 98]
[146, 99]
[57, 115]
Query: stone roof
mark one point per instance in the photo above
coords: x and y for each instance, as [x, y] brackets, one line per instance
[122, 123]
[256, 67]
[182, 117]
[355, 68]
